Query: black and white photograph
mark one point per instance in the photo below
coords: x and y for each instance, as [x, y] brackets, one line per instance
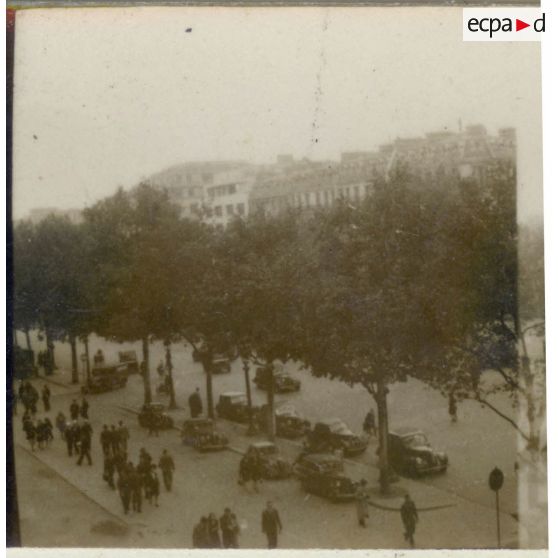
[277, 281]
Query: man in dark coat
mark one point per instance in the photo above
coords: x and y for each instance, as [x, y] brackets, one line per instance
[84, 408]
[45, 396]
[135, 480]
[114, 440]
[108, 470]
[409, 516]
[229, 529]
[70, 435]
[166, 464]
[124, 488]
[195, 404]
[200, 536]
[85, 435]
[271, 525]
[74, 410]
[105, 439]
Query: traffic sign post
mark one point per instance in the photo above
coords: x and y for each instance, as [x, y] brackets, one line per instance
[495, 481]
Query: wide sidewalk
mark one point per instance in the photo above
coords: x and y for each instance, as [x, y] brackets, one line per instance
[208, 482]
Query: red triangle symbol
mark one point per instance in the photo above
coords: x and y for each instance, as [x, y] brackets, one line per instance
[519, 25]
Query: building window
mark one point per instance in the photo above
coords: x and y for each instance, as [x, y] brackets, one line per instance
[230, 209]
[357, 193]
[240, 208]
[232, 189]
[207, 177]
[307, 199]
[318, 198]
[218, 210]
[326, 198]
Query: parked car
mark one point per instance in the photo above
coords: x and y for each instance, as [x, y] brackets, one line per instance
[282, 381]
[202, 434]
[221, 363]
[233, 405]
[274, 466]
[105, 378]
[288, 423]
[323, 474]
[153, 415]
[333, 434]
[130, 359]
[410, 453]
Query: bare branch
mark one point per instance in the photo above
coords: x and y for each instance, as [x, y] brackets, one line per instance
[505, 417]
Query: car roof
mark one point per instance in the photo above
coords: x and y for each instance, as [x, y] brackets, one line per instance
[322, 458]
[198, 420]
[262, 445]
[405, 431]
[331, 420]
[233, 394]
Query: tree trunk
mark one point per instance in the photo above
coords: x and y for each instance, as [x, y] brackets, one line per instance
[168, 358]
[75, 377]
[251, 429]
[28, 340]
[381, 402]
[87, 364]
[270, 404]
[207, 363]
[50, 350]
[146, 375]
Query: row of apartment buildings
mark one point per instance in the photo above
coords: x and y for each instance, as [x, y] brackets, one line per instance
[219, 191]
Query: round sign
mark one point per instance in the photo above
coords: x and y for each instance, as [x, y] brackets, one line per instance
[496, 479]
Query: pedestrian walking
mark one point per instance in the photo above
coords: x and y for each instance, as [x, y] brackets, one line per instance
[213, 531]
[99, 358]
[369, 425]
[124, 489]
[69, 435]
[154, 486]
[85, 434]
[229, 529]
[255, 468]
[109, 470]
[166, 464]
[123, 436]
[48, 430]
[61, 424]
[74, 410]
[135, 485]
[195, 404]
[33, 397]
[271, 525]
[84, 408]
[244, 470]
[45, 396]
[452, 407]
[362, 503]
[30, 433]
[409, 516]
[104, 438]
[114, 438]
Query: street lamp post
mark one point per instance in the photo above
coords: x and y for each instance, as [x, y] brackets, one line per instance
[495, 481]
[246, 367]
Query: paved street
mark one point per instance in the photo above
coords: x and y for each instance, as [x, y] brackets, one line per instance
[469, 519]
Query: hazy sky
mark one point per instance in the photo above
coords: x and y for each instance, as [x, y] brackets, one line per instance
[104, 97]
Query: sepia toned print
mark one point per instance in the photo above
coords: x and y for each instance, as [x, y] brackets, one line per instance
[277, 281]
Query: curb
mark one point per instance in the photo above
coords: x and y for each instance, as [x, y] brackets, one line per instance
[69, 483]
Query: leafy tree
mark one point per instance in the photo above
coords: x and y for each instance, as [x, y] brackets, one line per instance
[266, 263]
[128, 232]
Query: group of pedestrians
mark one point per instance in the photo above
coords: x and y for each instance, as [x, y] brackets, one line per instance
[211, 532]
[136, 482]
[37, 431]
[28, 395]
[114, 440]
